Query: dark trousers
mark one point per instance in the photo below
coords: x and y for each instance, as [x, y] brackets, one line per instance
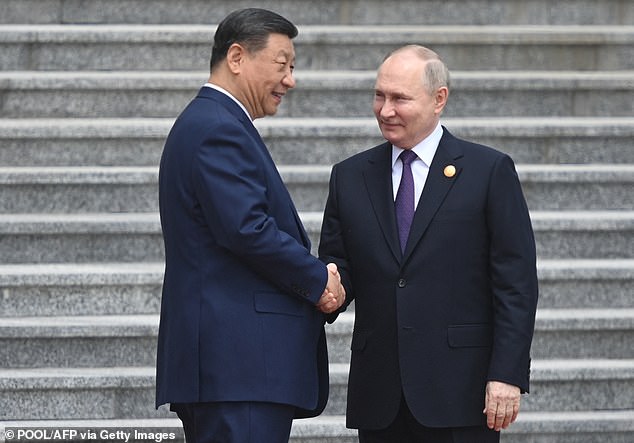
[406, 429]
[235, 422]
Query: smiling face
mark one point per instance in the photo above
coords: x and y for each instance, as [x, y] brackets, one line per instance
[407, 112]
[266, 75]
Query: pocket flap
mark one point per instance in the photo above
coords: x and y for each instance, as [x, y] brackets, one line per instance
[278, 303]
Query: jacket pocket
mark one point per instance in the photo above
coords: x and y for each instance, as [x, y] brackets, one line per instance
[469, 336]
[278, 303]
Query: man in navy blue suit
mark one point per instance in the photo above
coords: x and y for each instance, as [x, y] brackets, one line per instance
[433, 241]
[241, 348]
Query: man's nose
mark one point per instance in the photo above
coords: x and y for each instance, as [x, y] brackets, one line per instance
[387, 109]
[289, 80]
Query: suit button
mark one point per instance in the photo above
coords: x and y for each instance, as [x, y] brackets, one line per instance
[402, 283]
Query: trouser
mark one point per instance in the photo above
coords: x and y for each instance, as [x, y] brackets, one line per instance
[406, 429]
[235, 422]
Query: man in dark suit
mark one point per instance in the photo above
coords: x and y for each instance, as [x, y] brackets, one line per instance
[437, 251]
[241, 349]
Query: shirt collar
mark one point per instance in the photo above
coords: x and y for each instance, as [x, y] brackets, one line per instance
[425, 150]
[227, 93]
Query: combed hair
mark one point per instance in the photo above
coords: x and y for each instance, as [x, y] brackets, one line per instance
[250, 28]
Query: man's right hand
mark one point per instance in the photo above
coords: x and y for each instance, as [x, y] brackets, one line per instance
[334, 295]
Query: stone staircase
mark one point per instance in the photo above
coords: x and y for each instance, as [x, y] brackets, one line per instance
[89, 90]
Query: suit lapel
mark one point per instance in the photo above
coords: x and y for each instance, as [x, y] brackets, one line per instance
[378, 181]
[436, 188]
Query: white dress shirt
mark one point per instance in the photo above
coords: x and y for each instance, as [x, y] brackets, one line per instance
[425, 152]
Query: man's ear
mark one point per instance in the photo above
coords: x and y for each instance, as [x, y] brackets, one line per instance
[441, 98]
[235, 56]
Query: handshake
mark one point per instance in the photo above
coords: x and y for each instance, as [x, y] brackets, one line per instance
[334, 295]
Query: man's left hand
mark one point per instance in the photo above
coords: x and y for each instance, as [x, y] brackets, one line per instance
[502, 404]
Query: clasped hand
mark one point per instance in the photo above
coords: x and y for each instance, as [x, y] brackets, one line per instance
[334, 295]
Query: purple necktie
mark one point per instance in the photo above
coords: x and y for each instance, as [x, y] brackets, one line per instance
[404, 202]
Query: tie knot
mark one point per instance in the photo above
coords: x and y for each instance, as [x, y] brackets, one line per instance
[407, 156]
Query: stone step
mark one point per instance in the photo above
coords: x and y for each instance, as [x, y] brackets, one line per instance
[90, 289]
[559, 333]
[136, 237]
[85, 393]
[318, 94]
[569, 187]
[531, 427]
[583, 234]
[186, 47]
[33, 290]
[368, 12]
[128, 392]
[556, 385]
[81, 142]
[130, 340]
[78, 189]
[135, 189]
[593, 426]
[78, 341]
[610, 386]
[81, 238]
[139, 142]
[574, 284]
[584, 333]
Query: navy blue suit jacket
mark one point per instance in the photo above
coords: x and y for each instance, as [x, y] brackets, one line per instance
[453, 311]
[238, 317]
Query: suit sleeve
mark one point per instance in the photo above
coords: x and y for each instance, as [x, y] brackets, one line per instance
[231, 186]
[513, 276]
[331, 243]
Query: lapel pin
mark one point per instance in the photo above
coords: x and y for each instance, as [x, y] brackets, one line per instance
[450, 171]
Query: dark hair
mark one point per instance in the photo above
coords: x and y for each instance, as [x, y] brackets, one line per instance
[251, 28]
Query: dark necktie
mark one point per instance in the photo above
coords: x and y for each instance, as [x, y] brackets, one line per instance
[404, 203]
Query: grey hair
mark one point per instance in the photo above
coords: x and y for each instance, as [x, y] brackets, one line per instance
[436, 72]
